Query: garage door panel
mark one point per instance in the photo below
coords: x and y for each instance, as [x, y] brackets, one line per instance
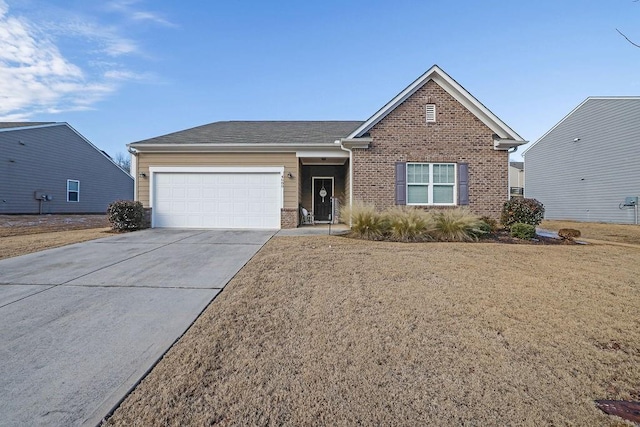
[217, 200]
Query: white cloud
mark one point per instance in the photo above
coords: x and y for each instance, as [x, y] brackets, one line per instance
[126, 7]
[35, 76]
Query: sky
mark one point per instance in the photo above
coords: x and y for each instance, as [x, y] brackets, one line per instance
[120, 71]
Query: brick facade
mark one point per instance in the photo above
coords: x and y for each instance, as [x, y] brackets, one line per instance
[457, 136]
[288, 218]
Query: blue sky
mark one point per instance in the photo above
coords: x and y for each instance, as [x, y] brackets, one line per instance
[124, 70]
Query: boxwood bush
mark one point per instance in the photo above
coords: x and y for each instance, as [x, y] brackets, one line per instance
[523, 231]
[126, 215]
[521, 210]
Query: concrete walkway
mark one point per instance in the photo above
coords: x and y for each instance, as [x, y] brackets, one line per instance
[312, 230]
[82, 324]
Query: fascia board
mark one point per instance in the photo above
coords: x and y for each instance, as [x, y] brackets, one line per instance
[96, 148]
[34, 127]
[576, 109]
[356, 143]
[391, 105]
[322, 153]
[212, 148]
[478, 109]
[558, 124]
[454, 89]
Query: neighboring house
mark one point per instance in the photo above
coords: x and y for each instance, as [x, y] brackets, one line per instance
[51, 168]
[585, 167]
[433, 146]
[516, 179]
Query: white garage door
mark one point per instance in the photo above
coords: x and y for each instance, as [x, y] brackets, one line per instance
[216, 199]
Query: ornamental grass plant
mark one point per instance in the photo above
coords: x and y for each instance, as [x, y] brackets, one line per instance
[408, 224]
[412, 224]
[366, 221]
[457, 225]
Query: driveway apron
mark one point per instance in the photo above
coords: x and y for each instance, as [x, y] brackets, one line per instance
[80, 325]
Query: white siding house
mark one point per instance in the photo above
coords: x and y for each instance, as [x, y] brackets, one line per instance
[585, 167]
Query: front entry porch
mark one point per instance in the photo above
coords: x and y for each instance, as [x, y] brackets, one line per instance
[322, 190]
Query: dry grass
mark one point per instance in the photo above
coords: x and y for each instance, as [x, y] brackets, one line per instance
[24, 234]
[25, 244]
[621, 233]
[331, 331]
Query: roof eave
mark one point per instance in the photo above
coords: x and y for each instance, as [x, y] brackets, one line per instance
[505, 144]
[351, 143]
[452, 87]
[240, 147]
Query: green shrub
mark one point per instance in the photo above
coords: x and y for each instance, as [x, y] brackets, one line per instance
[491, 222]
[366, 222]
[482, 229]
[407, 224]
[126, 215]
[523, 231]
[456, 225]
[521, 210]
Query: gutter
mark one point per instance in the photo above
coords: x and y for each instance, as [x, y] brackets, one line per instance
[230, 147]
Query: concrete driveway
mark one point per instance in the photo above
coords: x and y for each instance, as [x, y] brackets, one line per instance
[80, 325]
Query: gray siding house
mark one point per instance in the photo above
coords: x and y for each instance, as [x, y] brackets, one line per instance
[51, 168]
[585, 167]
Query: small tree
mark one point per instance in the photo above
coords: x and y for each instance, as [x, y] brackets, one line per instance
[521, 210]
[123, 161]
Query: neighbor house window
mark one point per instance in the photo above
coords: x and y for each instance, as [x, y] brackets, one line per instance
[431, 183]
[73, 190]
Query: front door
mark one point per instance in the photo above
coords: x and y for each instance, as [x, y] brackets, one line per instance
[322, 194]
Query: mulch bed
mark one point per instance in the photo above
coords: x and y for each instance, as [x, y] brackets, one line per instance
[504, 237]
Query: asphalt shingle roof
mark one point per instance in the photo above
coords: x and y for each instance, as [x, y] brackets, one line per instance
[260, 132]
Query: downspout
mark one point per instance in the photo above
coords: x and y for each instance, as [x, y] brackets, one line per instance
[342, 147]
[134, 170]
[509, 152]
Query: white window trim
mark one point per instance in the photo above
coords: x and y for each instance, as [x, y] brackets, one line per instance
[73, 191]
[431, 184]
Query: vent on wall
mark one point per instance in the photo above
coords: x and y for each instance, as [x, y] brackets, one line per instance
[431, 113]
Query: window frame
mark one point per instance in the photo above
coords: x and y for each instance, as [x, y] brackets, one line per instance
[431, 184]
[69, 191]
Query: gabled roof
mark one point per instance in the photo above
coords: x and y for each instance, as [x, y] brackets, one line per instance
[454, 89]
[258, 132]
[19, 126]
[588, 100]
[517, 165]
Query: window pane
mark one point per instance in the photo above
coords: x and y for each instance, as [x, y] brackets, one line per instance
[442, 194]
[418, 194]
[443, 174]
[72, 186]
[73, 196]
[417, 173]
[411, 175]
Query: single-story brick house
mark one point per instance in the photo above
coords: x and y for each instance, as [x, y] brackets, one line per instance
[433, 145]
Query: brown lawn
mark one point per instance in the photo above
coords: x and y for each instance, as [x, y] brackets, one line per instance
[327, 330]
[24, 234]
[621, 233]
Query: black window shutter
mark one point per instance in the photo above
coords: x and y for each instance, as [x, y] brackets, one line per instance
[463, 184]
[401, 183]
